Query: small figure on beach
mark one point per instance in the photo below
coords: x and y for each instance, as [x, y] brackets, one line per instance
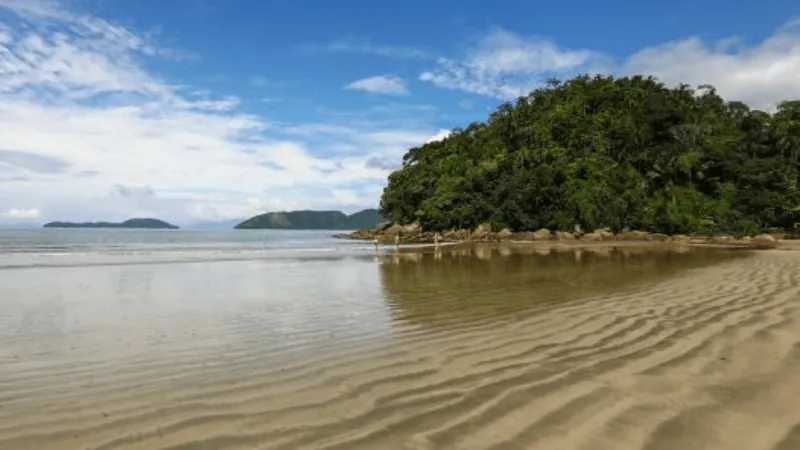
[397, 241]
[375, 243]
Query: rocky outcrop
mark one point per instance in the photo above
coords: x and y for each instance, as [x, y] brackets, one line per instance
[564, 236]
[628, 235]
[594, 236]
[602, 234]
[413, 233]
[542, 234]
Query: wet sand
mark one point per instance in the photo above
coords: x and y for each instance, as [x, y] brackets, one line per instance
[469, 348]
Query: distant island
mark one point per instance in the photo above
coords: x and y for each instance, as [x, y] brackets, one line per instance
[312, 220]
[155, 224]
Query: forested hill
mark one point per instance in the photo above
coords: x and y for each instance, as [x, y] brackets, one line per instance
[313, 220]
[604, 151]
[130, 223]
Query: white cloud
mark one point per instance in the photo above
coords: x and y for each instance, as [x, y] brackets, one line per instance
[440, 135]
[380, 84]
[504, 65]
[21, 214]
[132, 191]
[365, 46]
[90, 134]
[759, 75]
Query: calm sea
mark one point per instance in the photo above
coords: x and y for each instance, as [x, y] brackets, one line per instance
[71, 247]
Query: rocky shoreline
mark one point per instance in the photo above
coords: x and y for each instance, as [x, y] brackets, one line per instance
[413, 234]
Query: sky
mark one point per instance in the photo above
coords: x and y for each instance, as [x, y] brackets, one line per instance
[205, 110]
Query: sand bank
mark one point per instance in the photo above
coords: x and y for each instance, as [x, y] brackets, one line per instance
[705, 358]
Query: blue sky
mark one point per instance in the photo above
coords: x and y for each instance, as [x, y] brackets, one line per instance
[194, 110]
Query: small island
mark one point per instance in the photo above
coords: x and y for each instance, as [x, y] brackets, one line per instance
[137, 223]
[596, 155]
[312, 220]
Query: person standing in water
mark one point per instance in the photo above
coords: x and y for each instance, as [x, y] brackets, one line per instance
[436, 238]
[375, 243]
[397, 241]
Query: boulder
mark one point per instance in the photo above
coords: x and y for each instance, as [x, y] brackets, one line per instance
[764, 239]
[394, 230]
[542, 234]
[605, 233]
[483, 229]
[592, 237]
[564, 236]
[722, 239]
[505, 233]
[633, 235]
[681, 239]
[658, 237]
[413, 228]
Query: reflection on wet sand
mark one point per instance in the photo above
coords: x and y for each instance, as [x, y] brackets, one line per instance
[450, 348]
[486, 281]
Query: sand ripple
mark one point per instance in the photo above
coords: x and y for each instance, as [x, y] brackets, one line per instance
[706, 360]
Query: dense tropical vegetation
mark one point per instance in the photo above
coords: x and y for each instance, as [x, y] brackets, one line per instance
[604, 151]
[313, 220]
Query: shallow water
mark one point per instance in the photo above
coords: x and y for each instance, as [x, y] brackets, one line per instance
[458, 348]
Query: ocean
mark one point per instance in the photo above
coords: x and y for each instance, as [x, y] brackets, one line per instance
[76, 247]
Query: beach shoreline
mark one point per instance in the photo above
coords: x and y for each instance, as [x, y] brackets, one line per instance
[586, 345]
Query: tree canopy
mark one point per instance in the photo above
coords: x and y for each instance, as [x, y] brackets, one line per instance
[608, 152]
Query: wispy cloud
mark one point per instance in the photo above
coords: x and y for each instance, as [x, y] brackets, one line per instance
[504, 65]
[380, 84]
[21, 213]
[367, 47]
[32, 162]
[90, 133]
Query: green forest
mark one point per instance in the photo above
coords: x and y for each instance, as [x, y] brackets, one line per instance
[603, 151]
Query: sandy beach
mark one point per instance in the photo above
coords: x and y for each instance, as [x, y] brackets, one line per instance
[465, 349]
